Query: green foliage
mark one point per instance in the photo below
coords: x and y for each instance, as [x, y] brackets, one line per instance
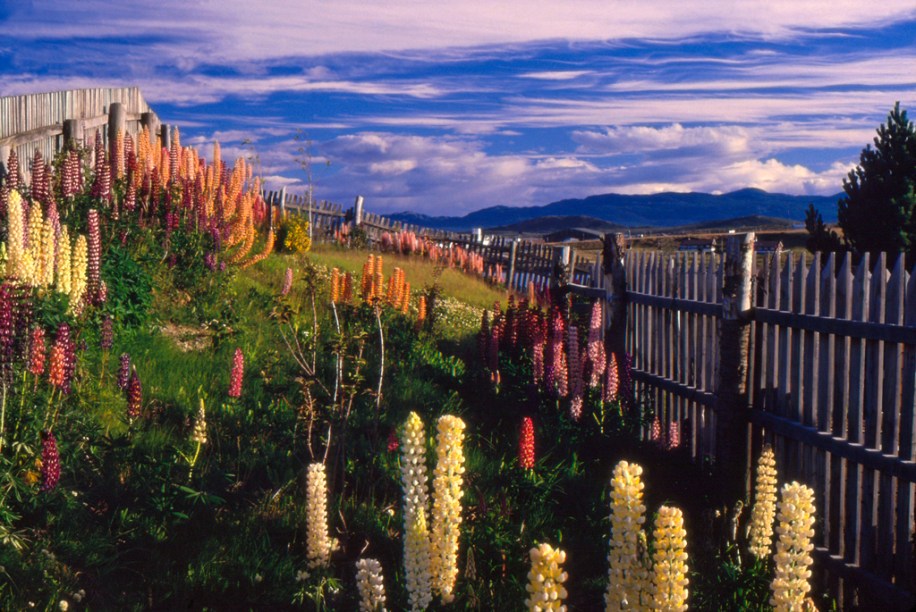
[821, 239]
[130, 287]
[878, 210]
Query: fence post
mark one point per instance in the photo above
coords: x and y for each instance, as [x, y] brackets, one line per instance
[559, 276]
[734, 350]
[478, 235]
[165, 134]
[150, 121]
[358, 210]
[615, 286]
[513, 250]
[117, 122]
[282, 204]
[73, 133]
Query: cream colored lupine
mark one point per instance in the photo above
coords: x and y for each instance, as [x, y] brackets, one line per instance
[545, 579]
[47, 254]
[416, 504]
[626, 575]
[318, 543]
[793, 548]
[27, 270]
[79, 259]
[669, 567]
[199, 434]
[62, 279]
[36, 223]
[371, 585]
[16, 232]
[760, 530]
[446, 522]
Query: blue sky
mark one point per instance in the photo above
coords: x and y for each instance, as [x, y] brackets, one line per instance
[444, 108]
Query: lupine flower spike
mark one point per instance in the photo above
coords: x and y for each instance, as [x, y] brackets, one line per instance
[545, 579]
[669, 579]
[793, 548]
[50, 462]
[318, 541]
[124, 371]
[235, 378]
[134, 395]
[626, 581]
[447, 483]
[526, 444]
[764, 511]
[416, 534]
[287, 282]
[371, 585]
[37, 351]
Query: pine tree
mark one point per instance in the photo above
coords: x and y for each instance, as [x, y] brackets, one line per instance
[878, 212]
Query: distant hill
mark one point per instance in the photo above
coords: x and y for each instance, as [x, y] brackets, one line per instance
[552, 223]
[656, 210]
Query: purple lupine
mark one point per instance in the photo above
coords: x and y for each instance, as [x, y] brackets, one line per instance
[106, 333]
[123, 371]
[50, 462]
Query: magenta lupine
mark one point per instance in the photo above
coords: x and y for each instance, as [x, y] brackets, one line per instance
[106, 333]
[556, 374]
[50, 462]
[134, 395]
[287, 282]
[7, 328]
[235, 378]
[12, 170]
[37, 351]
[95, 255]
[596, 353]
[124, 371]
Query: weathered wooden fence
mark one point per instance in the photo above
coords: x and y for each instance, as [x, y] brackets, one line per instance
[828, 377]
[520, 262]
[44, 122]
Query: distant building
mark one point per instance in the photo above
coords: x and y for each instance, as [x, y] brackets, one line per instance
[698, 245]
[573, 234]
[768, 246]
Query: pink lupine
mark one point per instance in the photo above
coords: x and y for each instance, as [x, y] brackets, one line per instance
[555, 371]
[596, 352]
[235, 378]
[287, 282]
[674, 435]
[655, 433]
[526, 444]
[611, 386]
[50, 462]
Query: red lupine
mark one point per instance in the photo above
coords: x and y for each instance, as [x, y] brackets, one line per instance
[62, 361]
[526, 444]
[37, 351]
[50, 462]
[134, 395]
[235, 378]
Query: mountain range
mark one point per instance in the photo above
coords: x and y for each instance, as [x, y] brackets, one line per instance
[656, 210]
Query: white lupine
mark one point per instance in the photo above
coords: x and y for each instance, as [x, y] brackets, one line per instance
[371, 585]
[416, 504]
[318, 543]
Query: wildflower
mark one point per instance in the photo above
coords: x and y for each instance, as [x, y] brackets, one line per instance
[287, 282]
[625, 579]
[199, 435]
[393, 443]
[371, 585]
[421, 309]
[674, 435]
[94, 255]
[655, 433]
[669, 579]
[318, 543]
[446, 507]
[134, 395]
[124, 371]
[526, 444]
[63, 359]
[62, 275]
[106, 333]
[78, 269]
[595, 348]
[545, 579]
[764, 511]
[50, 462]
[555, 370]
[37, 351]
[235, 378]
[793, 547]
[416, 535]
[611, 381]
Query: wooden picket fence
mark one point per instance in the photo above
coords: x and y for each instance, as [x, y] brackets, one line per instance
[830, 384]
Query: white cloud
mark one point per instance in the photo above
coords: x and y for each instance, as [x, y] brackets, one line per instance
[555, 75]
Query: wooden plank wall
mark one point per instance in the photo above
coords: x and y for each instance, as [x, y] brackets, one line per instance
[35, 121]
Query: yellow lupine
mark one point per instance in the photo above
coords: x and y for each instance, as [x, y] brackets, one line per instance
[62, 279]
[79, 259]
[669, 575]
[626, 574]
[545, 579]
[447, 491]
[764, 511]
[416, 502]
[793, 548]
[318, 543]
